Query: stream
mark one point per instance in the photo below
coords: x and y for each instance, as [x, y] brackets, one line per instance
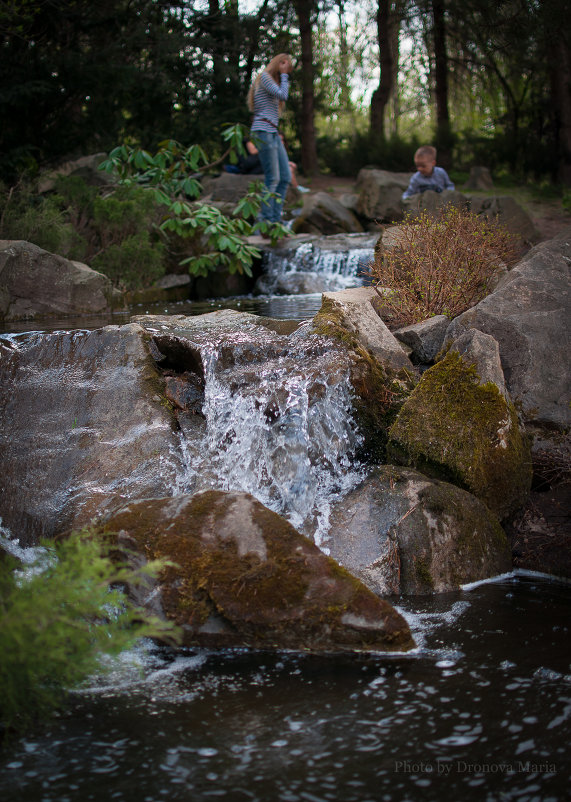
[480, 710]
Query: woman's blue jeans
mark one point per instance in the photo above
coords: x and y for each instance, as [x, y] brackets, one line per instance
[277, 175]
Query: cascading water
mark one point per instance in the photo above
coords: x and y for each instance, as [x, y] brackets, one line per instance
[276, 422]
[325, 264]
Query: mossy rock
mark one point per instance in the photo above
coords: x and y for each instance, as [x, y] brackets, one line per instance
[403, 533]
[243, 576]
[380, 389]
[452, 427]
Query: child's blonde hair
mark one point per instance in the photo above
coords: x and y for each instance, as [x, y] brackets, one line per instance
[426, 152]
[272, 69]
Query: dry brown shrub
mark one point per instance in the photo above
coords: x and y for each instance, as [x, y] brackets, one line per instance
[440, 265]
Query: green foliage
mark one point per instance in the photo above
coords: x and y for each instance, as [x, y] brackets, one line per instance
[439, 265]
[27, 216]
[170, 177]
[114, 230]
[59, 617]
[132, 263]
[566, 202]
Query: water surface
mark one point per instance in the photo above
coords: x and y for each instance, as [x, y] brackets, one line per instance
[481, 711]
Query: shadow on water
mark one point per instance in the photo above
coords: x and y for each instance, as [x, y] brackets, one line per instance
[480, 711]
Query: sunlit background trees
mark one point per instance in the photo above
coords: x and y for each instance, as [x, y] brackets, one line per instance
[488, 82]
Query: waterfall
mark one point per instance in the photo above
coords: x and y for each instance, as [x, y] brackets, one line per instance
[277, 423]
[317, 264]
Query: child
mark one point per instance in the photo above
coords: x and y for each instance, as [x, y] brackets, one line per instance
[429, 176]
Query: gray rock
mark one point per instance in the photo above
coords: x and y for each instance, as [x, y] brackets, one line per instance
[227, 187]
[84, 426]
[424, 339]
[323, 214]
[480, 178]
[353, 311]
[86, 167]
[506, 211]
[380, 194]
[35, 283]
[243, 576]
[528, 314]
[482, 351]
[432, 203]
[401, 532]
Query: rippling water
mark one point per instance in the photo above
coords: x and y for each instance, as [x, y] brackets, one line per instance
[481, 711]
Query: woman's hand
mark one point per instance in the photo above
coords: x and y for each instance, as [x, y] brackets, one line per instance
[285, 65]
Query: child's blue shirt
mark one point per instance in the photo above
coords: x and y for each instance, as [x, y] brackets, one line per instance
[421, 183]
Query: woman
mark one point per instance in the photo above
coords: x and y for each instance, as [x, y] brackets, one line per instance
[266, 99]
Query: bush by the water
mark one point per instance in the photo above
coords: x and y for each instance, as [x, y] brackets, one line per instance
[440, 265]
[115, 230]
[58, 617]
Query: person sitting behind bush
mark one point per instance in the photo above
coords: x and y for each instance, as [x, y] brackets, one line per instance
[428, 175]
[251, 165]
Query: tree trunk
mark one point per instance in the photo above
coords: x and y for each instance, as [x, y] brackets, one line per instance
[561, 96]
[304, 9]
[443, 132]
[381, 95]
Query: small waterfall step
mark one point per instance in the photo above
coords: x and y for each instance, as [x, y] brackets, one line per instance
[309, 263]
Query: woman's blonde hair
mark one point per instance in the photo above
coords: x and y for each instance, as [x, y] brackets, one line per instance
[272, 69]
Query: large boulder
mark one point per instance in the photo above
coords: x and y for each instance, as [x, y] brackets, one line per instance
[35, 283]
[380, 194]
[84, 425]
[241, 575]
[456, 427]
[528, 314]
[401, 532]
[323, 214]
[507, 212]
[432, 203]
[227, 187]
[86, 167]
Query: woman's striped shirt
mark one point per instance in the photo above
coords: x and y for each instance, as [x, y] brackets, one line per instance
[267, 98]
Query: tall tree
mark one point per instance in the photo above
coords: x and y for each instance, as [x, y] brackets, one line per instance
[388, 24]
[306, 10]
[443, 139]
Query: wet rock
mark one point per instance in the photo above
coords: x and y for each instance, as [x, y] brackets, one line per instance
[352, 310]
[84, 426]
[454, 427]
[401, 532]
[35, 283]
[528, 315]
[243, 576]
[323, 214]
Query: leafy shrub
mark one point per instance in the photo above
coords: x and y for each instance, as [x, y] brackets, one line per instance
[439, 265]
[24, 215]
[57, 620]
[132, 263]
[171, 176]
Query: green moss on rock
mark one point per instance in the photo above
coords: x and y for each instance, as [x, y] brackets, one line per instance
[379, 393]
[454, 428]
[242, 575]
